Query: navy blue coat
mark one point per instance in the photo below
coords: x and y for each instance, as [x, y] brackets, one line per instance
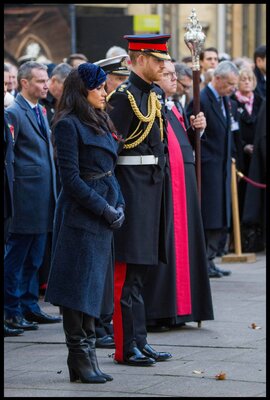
[217, 148]
[82, 239]
[34, 171]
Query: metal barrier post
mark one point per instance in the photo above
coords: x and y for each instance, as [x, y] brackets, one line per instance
[238, 256]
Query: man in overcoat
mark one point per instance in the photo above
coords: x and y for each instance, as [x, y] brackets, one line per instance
[217, 148]
[140, 243]
[34, 200]
[8, 183]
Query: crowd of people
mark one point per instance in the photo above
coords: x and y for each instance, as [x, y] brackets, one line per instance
[101, 207]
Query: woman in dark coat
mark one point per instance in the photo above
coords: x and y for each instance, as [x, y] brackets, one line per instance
[248, 106]
[90, 206]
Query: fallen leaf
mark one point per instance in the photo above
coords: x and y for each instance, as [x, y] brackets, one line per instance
[255, 326]
[59, 372]
[221, 376]
[197, 372]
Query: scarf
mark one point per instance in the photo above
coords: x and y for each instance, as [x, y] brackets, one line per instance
[247, 101]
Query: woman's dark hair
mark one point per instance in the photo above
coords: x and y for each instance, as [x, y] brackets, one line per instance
[74, 101]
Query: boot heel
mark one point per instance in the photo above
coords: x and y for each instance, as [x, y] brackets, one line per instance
[72, 375]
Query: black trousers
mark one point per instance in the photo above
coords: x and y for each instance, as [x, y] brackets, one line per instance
[212, 238]
[7, 222]
[103, 324]
[129, 314]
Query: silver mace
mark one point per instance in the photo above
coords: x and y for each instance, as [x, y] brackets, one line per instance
[194, 39]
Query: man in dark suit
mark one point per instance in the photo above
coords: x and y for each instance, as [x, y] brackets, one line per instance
[13, 83]
[55, 85]
[260, 70]
[34, 200]
[8, 183]
[216, 152]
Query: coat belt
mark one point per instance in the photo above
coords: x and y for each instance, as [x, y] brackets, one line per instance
[137, 160]
[94, 175]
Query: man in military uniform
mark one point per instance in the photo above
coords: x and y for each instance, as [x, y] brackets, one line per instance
[117, 71]
[140, 243]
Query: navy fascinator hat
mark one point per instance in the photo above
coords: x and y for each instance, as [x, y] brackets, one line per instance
[92, 75]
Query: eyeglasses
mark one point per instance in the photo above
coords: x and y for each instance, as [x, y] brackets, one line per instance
[185, 87]
[172, 75]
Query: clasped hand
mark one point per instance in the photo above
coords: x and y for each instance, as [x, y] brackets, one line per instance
[114, 216]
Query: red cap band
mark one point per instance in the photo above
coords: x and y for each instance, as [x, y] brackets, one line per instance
[150, 46]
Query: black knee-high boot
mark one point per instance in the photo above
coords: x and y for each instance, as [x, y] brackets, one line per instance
[79, 363]
[89, 328]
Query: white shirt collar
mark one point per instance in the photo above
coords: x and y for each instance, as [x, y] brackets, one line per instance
[32, 105]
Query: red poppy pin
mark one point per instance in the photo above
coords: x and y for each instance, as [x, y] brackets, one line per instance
[117, 137]
[11, 128]
[44, 111]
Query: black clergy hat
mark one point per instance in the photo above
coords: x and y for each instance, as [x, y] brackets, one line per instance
[155, 45]
[114, 65]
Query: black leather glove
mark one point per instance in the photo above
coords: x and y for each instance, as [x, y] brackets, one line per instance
[121, 217]
[110, 214]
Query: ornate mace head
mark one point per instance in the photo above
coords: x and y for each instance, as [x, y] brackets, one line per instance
[194, 39]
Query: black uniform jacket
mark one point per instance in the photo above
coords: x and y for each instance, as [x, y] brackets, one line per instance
[141, 240]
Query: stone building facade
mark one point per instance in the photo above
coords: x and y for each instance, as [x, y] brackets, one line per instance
[54, 32]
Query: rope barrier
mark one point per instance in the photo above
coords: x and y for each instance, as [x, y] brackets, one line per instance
[256, 184]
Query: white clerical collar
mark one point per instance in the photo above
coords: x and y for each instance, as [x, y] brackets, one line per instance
[169, 104]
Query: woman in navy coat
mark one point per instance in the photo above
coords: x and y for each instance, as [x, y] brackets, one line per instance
[90, 206]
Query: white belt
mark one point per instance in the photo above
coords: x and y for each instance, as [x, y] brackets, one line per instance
[137, 160]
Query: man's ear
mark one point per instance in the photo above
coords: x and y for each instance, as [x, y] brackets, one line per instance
[24, 83]
[141, 59]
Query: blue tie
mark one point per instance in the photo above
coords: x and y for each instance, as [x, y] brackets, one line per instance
[40, 121]
[38, 116]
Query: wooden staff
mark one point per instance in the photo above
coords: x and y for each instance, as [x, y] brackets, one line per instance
[235, 211]
[194, 39]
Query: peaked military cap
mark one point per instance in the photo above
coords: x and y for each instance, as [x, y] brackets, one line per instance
[116, 65]
[155, 45]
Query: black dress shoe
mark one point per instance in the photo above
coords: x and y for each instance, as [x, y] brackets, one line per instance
[156, 355]
[137, 359]
[105, 342]
[11, 332]
[213, 273]
[157, 328]
[18, 322]
[41, 317]
[224, 272]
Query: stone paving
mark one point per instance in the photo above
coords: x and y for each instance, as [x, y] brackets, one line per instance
[35, 362]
